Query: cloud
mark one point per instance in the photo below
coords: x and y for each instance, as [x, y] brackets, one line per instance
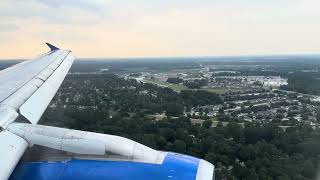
[8, 27]
[81, 4]
[100, 28]
[96, 7]
[7, 30]
[66, 36]
[69, 12]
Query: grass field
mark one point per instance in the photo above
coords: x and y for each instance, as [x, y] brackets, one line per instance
[216, 90]
[220, 90]
[180, 87]
[191, 73]
[175, 87]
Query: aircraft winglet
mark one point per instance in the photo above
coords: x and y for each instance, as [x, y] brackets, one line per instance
[52, 47]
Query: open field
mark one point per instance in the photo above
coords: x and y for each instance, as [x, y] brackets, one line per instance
[175, 87]
[223, 90]
[180, 87]
[216, 90]
[191, 73]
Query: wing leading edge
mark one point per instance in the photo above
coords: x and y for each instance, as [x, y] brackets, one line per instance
[26, 89]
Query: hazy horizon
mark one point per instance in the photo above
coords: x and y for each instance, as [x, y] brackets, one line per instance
[222, 57]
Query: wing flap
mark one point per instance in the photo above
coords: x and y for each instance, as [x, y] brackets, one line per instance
[35, 106]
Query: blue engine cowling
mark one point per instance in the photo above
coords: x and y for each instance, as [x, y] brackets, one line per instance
[175, 166]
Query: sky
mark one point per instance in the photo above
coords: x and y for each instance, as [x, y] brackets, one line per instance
[159, 28]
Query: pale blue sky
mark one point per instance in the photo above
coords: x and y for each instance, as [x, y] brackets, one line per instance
[126, 28]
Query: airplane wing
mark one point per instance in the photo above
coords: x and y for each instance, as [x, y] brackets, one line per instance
[26, 89]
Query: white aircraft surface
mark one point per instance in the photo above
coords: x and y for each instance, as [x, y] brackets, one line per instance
[26, 90]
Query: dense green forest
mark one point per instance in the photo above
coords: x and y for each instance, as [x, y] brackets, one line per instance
[108, 104]
[304, 82]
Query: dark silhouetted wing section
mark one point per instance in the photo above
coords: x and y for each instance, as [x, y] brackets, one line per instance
[52, 47]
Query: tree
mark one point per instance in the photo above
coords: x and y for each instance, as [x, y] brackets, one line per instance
[174, 80]
[308, 170]
[211, 157]
[318, 114]
[207, 124]
[196, 84]
[174, 109]
[247, 153]
[179, 146]
[234, 130]
[167, 133]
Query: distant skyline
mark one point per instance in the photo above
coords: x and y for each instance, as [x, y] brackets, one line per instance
[159, 28]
